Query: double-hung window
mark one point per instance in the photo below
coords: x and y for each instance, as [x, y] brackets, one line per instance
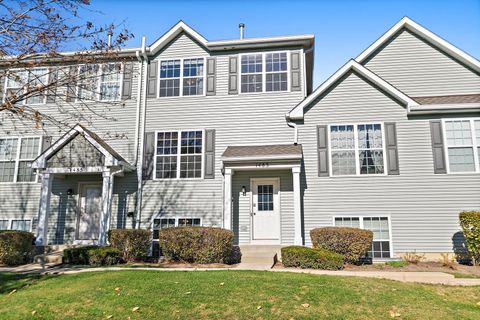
[264, 72]
[88, 82]
[252, 73]
[179, 154]
[110, 81]
[276, 71]
[100, 82]
[16, 156]
[23, 81]
[182, 77]
[16, 224]
[357, 149]
[380, 226]
[193, 77]
[462, 138]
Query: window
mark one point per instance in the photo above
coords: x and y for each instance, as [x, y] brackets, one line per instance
[88, 79]
[110, 82]
[381, 233]
[19, 80]
[163, 223]
[463, 145]
[22, 225]
[181, 77]
[188, 222]
[268, 68]
[100, 82]
[265, 197]
[179, 154]
[16, 156]
[356, 149]
[4, 224]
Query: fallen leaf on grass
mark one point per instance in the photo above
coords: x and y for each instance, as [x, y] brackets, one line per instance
[135, 309]
[394, 314]
[34, 312]
[222, 283]
[305, 305]
[259, 307]
[118, 289]
[478, 303]
[110, 317]
[188, 292]
[12, 292]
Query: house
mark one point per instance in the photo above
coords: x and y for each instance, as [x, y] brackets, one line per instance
[231, 134]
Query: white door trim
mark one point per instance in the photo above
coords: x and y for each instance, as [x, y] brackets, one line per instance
[81, 185]
[277, 208]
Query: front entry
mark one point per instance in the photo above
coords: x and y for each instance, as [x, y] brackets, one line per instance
[89, 210]
[265, 210]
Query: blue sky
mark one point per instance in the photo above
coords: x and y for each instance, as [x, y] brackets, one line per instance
[342, 28]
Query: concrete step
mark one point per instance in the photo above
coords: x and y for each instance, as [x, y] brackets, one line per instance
[266, 255]
[49, 258]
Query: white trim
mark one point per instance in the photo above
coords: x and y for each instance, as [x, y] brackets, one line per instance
[277, 204]
[445, 108]
[261, 158]
[172, 33]
[10, 221]
[17, 159]
[220, 45]
[427, 35]
[298, 112]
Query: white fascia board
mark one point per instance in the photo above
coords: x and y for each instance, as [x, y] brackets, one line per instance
[251, 43]
[172, 33]
[425, 34]
[261, 158]
[445, 108]
[298, 112]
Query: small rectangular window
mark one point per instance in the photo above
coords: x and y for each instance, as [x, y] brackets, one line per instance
[463, 145]
[170, 78]
[4, 224]
[189, 222]
[22, 225]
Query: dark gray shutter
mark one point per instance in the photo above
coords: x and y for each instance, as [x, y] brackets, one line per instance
[127, 81]
[209, 154]
[152, 75]
[148, 155]
[233, 75]
[71, 93]
[295, 72]
[52, 82]
[211, 71]
[46, 143]
[391, 147]
[2, 83]
[439, 163]
[322, 150]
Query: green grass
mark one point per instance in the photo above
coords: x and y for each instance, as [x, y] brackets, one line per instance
[243, 295]
[397, 264]
[464, 275]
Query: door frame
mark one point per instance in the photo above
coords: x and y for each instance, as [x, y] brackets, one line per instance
[276, 204]
[80, 187]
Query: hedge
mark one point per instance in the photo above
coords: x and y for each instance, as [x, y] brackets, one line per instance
[92, 255]
[16, 247]
[470, 223]
[352, 243]
[133, 244]
[197, 244]
[311, 258]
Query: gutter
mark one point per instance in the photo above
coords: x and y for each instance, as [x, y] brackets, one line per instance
[294, 126]
[443, 108]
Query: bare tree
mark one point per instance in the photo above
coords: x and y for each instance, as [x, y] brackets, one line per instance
[36, 70]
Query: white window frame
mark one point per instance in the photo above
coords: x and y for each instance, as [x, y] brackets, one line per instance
[264, 72]
[10, 222]
[179, 155]
[361, 217]
[24, 101]
[176, 218]
[357, 150]
[18, 159]
[180, 93]
[98, 82]
[475, 144]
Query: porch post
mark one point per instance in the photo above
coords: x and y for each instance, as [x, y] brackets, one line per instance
[44, 209]
[227, 208]
[107, 188]
[297, 208]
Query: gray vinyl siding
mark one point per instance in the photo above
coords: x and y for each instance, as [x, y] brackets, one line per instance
[423, 206]
[419, 69]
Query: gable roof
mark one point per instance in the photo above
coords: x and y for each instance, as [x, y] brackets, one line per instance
[352, 65]
[174, 31]
[425, 34]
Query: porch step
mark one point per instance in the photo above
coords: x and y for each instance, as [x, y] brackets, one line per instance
[49, 258]
[260, 254]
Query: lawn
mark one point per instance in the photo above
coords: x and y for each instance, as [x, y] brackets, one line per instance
[143, 294]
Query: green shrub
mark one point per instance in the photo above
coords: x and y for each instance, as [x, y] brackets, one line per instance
[78, 255]
[470, 223]
[311, 258]
[352, 243]
[15, 247]
[133, 244]
[92, 255]
[197, 244]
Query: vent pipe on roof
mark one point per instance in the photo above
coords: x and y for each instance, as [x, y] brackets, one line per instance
[242, 27]
[110, 34]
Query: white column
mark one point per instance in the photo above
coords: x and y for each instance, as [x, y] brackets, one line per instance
[297, 207]
[107, 189]
[44, 209]
[227, 207]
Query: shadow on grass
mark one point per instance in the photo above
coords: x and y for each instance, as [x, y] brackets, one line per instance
[10, 281]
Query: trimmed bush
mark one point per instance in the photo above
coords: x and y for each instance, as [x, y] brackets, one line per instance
[133, 244]
[15, 247]
[197, 244]
[92, 255]
[311, 258]
[470, 223]
[77, 255]
[352, 243]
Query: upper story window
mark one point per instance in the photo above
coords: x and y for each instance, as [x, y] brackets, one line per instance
[19, 82]
[179, 154]
[99, 82]
[463, 145]
[264, 72]
[181, 77]
[16, 156]
[357, 149]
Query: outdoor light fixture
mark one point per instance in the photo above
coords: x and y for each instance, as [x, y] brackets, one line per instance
[70, 192]
[244, 191]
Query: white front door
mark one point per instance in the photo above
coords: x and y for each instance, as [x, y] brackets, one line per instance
[265, 210]
[90, 207]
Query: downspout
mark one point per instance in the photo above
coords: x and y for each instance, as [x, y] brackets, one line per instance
[294, 126]
[110, 198]
[139, 101]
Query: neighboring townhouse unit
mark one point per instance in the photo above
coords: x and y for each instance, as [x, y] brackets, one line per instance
[230, 134]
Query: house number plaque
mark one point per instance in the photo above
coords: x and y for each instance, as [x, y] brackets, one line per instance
[262, 164]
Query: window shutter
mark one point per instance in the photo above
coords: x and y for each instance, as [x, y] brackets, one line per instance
[295, 72]
[52, 82]
[46, 143]
[391, 147]
[209, 154]
[152, 74]
[233, 75]
[127, 81]
[211, 81]
[2, 83]
[148, 155]
[439, 163]
[71, 93]
[322, 150]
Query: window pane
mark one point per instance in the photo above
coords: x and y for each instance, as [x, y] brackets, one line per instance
[190, 166]
[381, 236]
[170, 88]
[276, 82]
[347, 222]
[276, 62]
[458, 132]
[166, 167]
[37, 78]
[3, 224]
[88, 82]
[29, 148]
[343, 163]
[7, 171]
[193, 67]
[342, 137]
[371, 162]
[461, 159]
[265, 197]
[25, 172]
[192, 86]
[111, 72]
[251, 63]
[23, 225]
[8, 149]
[369, 136]
[477, 131]
[252, 83]
[170, 69]
[191, 142]
[167, 143]
[189, 222]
